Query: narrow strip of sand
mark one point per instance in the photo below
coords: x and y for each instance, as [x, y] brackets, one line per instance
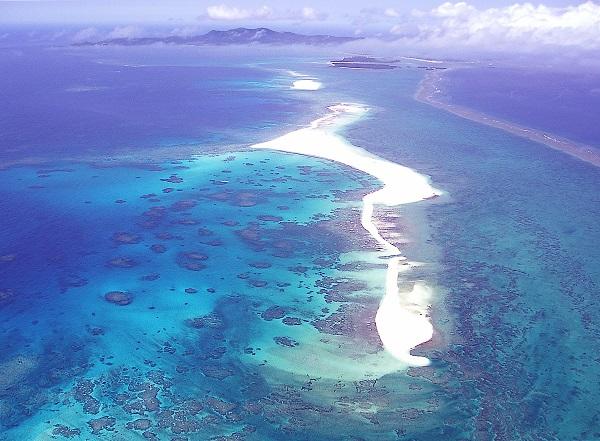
[307, 84]
[429, 92]
[401, 320]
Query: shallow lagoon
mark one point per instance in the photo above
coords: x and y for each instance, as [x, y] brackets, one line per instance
[216, 296]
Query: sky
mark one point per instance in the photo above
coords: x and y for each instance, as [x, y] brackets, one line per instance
[470, 24]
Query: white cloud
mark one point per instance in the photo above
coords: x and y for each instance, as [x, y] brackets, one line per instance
[226, 12]
[125, 32]
[86, 34]
[519, 27]
[309, 13]
[391, 12]
[448, 9]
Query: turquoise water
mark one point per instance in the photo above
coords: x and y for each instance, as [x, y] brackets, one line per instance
[226, 277]
[519, 267]
[232, 296]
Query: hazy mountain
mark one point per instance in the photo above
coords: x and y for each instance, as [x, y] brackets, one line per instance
[232, 36]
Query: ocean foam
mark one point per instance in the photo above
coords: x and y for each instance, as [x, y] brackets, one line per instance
[402, 321]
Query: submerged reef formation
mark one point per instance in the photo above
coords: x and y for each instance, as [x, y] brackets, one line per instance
[257, 323]
[119, 298]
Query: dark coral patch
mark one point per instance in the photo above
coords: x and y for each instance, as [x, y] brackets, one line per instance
[246, 203]
[139, 424]
[273, 313]
[65, 431]
[121, 262]
[246, 199]
[260, 265]
[213, 242]
[269, 218]
[71, 281]
[173, 179]
[100, 424]
[120, 298]
[299, 269]
[258, 283]
[183, 205]
[286, 341]
[252, 236]
[283, 248]
[192, 260]
[165, 235]
[124, 238]
[158, 248]
[352, 320]
[220, 406]
[83, 394]
[292, 321]
[360, 266]
[216, 371]
[340, 290]
[213, 321]
[95, 331]
[187, 222]
[221, 196]
[192, 266]
[191, 290]
[153, 217]
[194, 255]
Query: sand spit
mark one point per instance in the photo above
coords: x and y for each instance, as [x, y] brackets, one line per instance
[401, 320]
[429, 92]
[306, 85]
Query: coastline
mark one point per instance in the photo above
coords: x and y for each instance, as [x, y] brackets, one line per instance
[429, 91]
[402, 318]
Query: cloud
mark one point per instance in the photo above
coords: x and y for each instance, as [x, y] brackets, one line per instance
[125, 32]
[311, 14]
[519, 27]
[232, 13]
[85, 34]
[224, 12]
[391, 12]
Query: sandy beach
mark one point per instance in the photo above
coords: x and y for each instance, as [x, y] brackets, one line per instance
[401, 320]
[429, 92]
[306, 84]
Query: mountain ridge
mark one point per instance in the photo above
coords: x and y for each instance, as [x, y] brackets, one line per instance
[229, 37]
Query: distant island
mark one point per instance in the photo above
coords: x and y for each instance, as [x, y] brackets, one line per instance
[363, 62]
[366, 62]
[229, 37]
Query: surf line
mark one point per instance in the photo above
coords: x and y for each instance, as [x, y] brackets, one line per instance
[402, 321]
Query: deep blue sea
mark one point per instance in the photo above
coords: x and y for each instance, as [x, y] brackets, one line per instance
[158, 280]
[558, 101]
[61, 102]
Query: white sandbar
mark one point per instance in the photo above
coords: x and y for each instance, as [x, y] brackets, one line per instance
[306, 85]
[402, 321]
